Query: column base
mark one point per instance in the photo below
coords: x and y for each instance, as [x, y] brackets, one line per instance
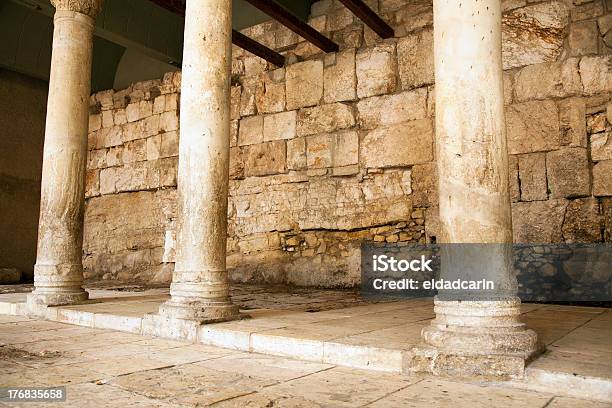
[38, 297]
[483, 339]
[201, 312]
[450, 363]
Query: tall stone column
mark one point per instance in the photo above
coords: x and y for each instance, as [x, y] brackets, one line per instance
[481, 335]
[58, 273]
[200, 288]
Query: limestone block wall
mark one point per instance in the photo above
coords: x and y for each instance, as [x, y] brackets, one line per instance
[338, 148]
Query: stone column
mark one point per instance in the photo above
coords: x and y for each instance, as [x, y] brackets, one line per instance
[200, 288]
[478, 336]
[58, 273]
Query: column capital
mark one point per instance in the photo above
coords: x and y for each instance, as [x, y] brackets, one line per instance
[90, 8]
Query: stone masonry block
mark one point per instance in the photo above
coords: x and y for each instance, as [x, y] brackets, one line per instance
[161, 172]
[95, 122]
[403, 144]
[159, 104]
[107, 181]
[584, 10]
[541, 42]
[236, 93]
[568, 172]
[596, 123]
[279, 126]
[250, 130]
[605, 24]
[319, 151]
[247, 97]
[108, 137]
[508, 79]
[550, 80]
[236, 167]
[150, 126]
[96, 159]
[572, 113]
[153, 147]
[107, 119]
[425, 185]
[346, 149]
[375, 68]
[532, 127]
[339, 19]
[583, 38]
[172, 102]
[254, 65]
[339, 149]
[114, 156]
[532, 175]
[119, 117]
[602, 178]
[601, 146]
[265, 158]
[596, 74]
[582, 221]
[415, 56]
[340, 79]
[92, 183]
[169, 121]
[538, 222]
[270, 97]
[133, 131]
[105, 98]
[169, 144]
[234, 133]
[296, 154]
[304, 84]
[324, 118]
[131, 177]
[138, 110]
[134, 151]
[392, 109]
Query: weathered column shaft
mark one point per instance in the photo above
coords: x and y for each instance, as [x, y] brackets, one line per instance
[470, 126]
[58, 273]
[481, 335]
[200, 289]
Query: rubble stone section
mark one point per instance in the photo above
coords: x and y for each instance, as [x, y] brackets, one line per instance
[334, 149]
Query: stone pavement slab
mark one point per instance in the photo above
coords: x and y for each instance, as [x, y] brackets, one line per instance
[325, 329]
[151, 372]
[343, 387]
[275, 368]
[446, 394]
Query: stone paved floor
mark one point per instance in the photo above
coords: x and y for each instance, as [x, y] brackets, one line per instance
[330, 328]
[103, 368]
[246, 296]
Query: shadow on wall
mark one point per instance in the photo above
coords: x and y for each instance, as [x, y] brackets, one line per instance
[23, 102]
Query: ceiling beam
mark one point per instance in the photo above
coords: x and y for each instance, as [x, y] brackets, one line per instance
[238, 39]
[296, 25]
[258, 49]
[369, 17]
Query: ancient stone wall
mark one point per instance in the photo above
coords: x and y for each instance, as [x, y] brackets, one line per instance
[338, 148]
